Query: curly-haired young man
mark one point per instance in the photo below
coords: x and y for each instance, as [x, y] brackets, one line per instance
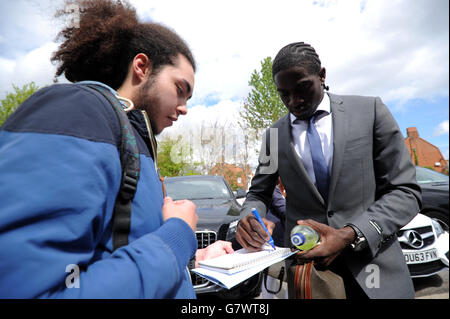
[60, 168]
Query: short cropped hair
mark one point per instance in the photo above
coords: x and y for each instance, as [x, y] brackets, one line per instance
[297, 54]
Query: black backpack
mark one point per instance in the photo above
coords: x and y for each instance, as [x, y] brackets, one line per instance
[130, 162]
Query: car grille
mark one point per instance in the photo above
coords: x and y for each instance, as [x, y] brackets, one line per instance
[204, 239]
[426, 235]
[426, 269]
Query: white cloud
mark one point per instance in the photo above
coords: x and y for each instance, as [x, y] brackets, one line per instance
[223, 114]
[33, 66]
[441, 129]
[27, 33]
[396, 49]
[7, 65]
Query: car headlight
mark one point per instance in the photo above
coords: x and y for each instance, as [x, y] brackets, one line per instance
[437, 227]
[231, 233]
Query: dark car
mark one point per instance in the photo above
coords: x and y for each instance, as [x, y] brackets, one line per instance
[435, 189]
[218, 213]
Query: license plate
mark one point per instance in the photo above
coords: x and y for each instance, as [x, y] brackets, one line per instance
[421, 257]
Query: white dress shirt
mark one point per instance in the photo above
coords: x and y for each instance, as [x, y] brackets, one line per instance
[324, 126]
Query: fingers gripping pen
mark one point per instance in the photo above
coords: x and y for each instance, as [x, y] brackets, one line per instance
[256, 215]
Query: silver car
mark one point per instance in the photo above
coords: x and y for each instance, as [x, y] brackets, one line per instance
[425, 245]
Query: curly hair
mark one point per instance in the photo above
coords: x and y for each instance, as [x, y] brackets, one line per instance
[107, 38]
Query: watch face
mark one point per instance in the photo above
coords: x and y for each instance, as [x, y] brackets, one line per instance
[359, 243]
[360, 240]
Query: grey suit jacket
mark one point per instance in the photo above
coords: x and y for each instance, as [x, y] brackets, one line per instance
[372, 186]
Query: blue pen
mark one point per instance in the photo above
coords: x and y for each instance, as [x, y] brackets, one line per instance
[256, 214]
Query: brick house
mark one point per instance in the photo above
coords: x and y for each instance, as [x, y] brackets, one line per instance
[424, 153]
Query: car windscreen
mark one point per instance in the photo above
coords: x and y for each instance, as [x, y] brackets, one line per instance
[426, 176]
[197, 189]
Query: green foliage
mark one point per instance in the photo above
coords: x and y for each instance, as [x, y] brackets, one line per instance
[12, 100]
[173, 160]
[231, 178]
[416, 158]
[263, 106]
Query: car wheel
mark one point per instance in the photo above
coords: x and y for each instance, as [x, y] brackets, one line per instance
[440, 216]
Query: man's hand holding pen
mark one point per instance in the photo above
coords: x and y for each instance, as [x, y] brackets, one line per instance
[251, 235]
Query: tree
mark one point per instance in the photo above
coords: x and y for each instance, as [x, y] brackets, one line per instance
[12, 100]
[171, 159]
[214, 145]
[263, 106]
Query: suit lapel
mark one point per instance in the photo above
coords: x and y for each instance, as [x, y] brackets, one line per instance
[339, 119]
[293, 158]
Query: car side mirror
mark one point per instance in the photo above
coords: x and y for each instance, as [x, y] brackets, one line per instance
[240, 193]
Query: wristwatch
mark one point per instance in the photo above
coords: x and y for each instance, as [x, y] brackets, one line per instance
[360, 241]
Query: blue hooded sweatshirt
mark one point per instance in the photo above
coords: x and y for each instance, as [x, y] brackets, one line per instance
[59, 177]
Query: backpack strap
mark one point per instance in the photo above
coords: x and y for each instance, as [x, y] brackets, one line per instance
[130, 162]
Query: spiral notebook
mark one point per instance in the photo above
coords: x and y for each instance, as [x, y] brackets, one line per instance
[229, 270]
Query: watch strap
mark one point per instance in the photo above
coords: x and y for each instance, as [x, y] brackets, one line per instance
[360, 241]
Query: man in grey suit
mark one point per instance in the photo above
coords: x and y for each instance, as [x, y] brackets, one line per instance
[347, 173]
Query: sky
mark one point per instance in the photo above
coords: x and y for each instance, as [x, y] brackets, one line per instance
[395, 49]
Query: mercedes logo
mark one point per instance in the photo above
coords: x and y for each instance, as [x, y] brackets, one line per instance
[414, 239]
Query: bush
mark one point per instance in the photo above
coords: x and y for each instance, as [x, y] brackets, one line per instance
[12, 100]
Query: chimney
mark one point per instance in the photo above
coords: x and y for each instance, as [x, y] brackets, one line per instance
[412, 132]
